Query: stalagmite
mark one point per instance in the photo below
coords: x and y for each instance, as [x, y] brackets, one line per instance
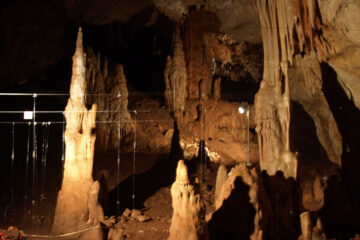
[305, 220]
[77, 207]
[188, 220]
[250, 179]
[110, 93]
[313, 196]
[221, 178]
[176, 77]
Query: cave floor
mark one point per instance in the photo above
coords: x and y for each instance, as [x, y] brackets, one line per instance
[154, 176]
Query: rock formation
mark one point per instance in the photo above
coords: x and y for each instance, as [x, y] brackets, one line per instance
[188, 220]
[176, 77]
[221, 178]
[221, 126]
[272, 102]
[339, 44]
[279, 19]
[231, 188]
[77, 205]
[306, 89]
[193, 93]
[108, 89]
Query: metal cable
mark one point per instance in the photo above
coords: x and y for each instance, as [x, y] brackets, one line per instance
[45, 146]
[60, 235]
[102, 122]
[12, 163]
[27, 169]
[34, 157]
[134, 166]
[118, 166]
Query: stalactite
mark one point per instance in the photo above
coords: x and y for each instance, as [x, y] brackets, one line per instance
[287, 29]
[77, 207]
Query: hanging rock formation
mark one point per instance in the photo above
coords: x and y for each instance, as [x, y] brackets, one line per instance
[272, 102]
[279, 20]
[188, 220]
[77, 205]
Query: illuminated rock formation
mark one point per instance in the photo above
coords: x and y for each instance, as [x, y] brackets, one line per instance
[279, 19]
[221, 178]
[240, 179]
[222, 127]
[272, 102]
[193, 90]
[188, 220]
[77, 207]
[306, 89]
[176, 77]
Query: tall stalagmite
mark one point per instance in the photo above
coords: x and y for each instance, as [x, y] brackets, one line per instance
[188, 220]
[77, 206]
[176, 77]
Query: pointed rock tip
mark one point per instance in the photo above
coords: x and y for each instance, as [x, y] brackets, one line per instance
[79, 39]
[181, 172]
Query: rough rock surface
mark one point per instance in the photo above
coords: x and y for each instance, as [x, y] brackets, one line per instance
[188, 220]
[175, 76]
[306, 88]
[244, 28]
[107, 87]
[226, 140]
[197, 96]
[221, 178]
[77, 206]
[239, 173]
[109, 91]
[340, 44]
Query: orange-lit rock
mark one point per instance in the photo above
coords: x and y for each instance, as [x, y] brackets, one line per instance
[188, 220]
[77, 206]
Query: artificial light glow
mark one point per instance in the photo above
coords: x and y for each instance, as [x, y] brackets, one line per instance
[28, 115]
[241, 109]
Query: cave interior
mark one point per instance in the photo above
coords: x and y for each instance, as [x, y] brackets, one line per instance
[180, 119]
